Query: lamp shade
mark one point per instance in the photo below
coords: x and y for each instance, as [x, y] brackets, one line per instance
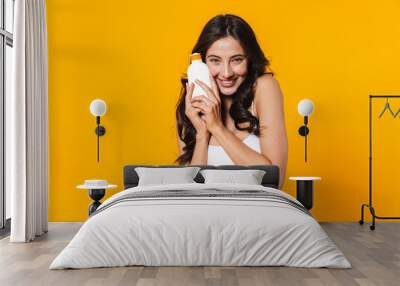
[98, 107]
[305, 107]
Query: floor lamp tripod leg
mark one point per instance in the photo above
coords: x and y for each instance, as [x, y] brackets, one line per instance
[361, 221]
[372, 227]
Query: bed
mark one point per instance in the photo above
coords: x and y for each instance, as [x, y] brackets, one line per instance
[201, 224]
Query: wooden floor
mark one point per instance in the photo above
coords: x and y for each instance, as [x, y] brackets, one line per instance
[375, 257]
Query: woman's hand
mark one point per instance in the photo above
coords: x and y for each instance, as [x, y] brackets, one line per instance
[193, 113]
[209, 105]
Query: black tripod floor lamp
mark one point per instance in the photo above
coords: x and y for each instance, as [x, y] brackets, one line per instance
[386, 109]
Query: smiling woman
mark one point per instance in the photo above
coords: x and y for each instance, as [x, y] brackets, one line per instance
[240, 119]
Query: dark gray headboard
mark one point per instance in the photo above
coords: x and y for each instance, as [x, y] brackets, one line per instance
[271, 177]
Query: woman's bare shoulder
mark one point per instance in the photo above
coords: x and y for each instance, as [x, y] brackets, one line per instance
[266, 81]
[266, 88]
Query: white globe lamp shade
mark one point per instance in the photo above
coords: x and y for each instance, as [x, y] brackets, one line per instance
[305, 107]
[98, 107]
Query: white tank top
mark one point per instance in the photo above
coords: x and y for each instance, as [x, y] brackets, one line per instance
[218, 156]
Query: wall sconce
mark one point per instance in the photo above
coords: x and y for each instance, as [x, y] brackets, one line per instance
[98, 108]
[305, 108]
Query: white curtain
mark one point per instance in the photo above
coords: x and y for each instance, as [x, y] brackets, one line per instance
[26, 124]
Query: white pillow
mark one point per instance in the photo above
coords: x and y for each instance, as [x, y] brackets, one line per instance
[248, 177]
[162, 176]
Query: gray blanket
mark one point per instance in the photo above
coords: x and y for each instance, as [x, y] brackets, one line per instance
[201, 224]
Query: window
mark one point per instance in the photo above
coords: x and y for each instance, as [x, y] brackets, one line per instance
[6, 61]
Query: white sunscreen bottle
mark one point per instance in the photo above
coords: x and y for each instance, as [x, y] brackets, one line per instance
[198, 70]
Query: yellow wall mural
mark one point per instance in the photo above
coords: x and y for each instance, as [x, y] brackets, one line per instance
[132, 54]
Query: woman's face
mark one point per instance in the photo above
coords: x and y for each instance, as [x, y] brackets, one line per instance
[227, 63]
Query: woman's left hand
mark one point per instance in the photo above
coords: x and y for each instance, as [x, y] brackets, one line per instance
[210, 105]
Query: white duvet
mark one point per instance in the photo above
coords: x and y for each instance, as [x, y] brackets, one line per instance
[200, 231]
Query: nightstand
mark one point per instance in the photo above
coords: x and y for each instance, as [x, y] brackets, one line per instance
[97, 190]
[304, 190]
